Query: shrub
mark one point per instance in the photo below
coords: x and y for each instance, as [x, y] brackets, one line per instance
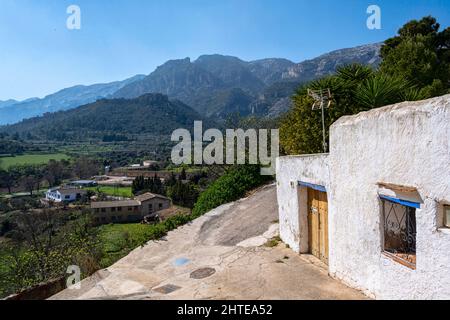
[176, 221]
[183, 194]
[229, 187]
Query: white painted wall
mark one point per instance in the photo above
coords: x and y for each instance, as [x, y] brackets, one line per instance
[55, 195]
[404, 144]
[291, 197]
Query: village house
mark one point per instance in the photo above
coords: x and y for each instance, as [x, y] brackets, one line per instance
[63, 194]
[135, 210]
[376, 209]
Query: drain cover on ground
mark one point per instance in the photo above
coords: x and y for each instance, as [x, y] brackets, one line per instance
[168, 288]
[203, 273]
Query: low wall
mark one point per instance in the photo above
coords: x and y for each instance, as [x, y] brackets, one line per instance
[41, 291]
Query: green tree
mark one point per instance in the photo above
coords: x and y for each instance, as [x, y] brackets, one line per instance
[54, 173]
[420, 54]
[138, 185]
[7, 179]
[183, 194]
[171, 180]
[141, 185]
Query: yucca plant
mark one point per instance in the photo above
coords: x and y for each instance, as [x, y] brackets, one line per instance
[381, 90]
[354, 73]
[413, 94]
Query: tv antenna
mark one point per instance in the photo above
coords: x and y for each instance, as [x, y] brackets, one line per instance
[322, 100]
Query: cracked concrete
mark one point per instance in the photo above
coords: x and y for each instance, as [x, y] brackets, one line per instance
[229, 239]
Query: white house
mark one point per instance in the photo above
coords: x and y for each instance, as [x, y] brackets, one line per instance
[59, 195]
[376, 209]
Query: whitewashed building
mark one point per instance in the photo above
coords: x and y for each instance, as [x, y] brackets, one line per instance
[376, 209]
[59, 195]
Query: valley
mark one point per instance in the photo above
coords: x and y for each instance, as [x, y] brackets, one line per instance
[224, 150]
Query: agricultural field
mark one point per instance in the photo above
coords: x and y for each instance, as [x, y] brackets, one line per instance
[113, 191]
[86, 149]
[31, 159]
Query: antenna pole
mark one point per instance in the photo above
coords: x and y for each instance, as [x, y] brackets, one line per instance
[324, 143]
[320, 97]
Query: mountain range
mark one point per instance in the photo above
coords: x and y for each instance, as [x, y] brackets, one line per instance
[7, 103]
[215, 86]
[149, 114]
[12, 111]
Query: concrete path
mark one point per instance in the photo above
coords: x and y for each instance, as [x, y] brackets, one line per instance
[218, 256]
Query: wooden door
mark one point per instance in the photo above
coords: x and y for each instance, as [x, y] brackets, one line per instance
[318, 224]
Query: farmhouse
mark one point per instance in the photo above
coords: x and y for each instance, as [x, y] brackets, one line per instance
[129, 210]
[376, 209]
[59, 195]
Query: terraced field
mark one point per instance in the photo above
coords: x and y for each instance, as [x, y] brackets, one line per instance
[6, 162]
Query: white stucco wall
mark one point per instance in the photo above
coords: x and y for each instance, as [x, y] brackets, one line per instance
[290, 170]
[404, 144]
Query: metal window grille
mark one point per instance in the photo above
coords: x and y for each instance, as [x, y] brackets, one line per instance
[399, 231]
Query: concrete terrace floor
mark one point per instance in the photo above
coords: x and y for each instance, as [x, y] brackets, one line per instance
[218, 256]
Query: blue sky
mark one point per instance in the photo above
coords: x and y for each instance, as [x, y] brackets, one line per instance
[121, 38]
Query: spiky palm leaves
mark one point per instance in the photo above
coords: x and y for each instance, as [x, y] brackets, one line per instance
[374, 89]
[380, 90]
[354, 88]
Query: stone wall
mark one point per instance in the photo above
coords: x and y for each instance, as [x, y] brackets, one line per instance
[41, 291]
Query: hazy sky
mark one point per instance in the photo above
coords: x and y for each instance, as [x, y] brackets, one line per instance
[121, 38]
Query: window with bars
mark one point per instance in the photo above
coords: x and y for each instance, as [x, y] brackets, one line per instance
[399, 220]
[447, 216]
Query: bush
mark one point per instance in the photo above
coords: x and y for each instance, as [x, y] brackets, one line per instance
[183, 194]
[229, 187]
[176, 221]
